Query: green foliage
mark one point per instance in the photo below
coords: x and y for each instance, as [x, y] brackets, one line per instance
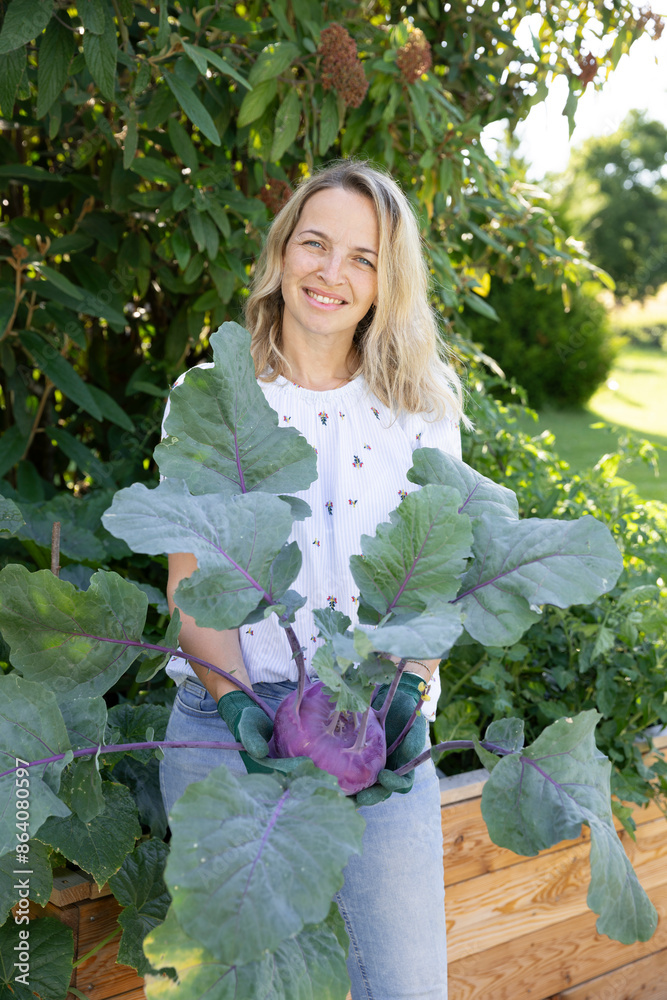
[613, 195]
[557, 356]
[609, 655]
[157, 140]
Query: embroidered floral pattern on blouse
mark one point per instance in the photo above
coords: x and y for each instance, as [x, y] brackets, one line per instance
[367, 447]
[376, 412]
[316, 541]
[286, 419]
[341, 415]
[354, 599]
[352, 503]
[323, 417]
[402, 494]
[418, 437]
[249, 631]
[357, 462]
[313, 638]
[329, 506]
[332, 602]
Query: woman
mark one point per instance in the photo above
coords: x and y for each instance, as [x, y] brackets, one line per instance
[345, 349]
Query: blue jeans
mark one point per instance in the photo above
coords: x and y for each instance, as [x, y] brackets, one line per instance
[392, 900]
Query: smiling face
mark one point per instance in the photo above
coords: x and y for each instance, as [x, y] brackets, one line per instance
[330, 268]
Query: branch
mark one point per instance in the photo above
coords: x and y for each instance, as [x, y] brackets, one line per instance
[382, 715]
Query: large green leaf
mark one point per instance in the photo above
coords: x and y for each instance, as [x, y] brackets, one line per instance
[223, 435]
[49, 967]
[310, 966]
[55, 53]
[61, 373]
[418, 557]
[542, 795]
[101, 845]
[24, 20]
[235, 542]
[64, 638]
[255, 857]
[80, 524]
[478, 494]
[520, 565]
[140, 889]
[85, 721]
[193, 107]
[31, 728]
[40, 879]
[129, 724]
[425, 636]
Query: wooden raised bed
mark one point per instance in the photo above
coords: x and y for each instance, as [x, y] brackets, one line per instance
[519, 928]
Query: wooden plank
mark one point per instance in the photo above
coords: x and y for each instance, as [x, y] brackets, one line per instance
[469, 852]
[70, 887]
[138, 994]
[544, 890]
[539, 964]
[101, 977]
[459, 787]
[642, 980]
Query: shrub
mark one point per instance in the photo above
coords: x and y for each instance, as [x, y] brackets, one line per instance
[557, 356]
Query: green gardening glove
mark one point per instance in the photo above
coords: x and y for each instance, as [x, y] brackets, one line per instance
[407, 697]
[250, 726]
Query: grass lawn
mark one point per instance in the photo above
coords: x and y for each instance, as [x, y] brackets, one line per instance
[635, 399]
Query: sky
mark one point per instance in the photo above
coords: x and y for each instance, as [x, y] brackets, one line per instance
[637, 82]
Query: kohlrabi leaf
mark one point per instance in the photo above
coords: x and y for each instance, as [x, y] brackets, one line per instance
[519, 565]
[50, 963]
[235, 541]
[330, 622]
[419, 557]
[39, 882]
[66, 639]
[223, 435]
[478, 494]
[427, 636]
[31, 728]
[85, 721]
[256, 857]
[11, 518]
[310, 966]
[506, 734]
[542, 795]
[100, 846]
[140, 889]
[350, 678]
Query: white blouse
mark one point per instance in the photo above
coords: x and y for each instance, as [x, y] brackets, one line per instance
[362, 461]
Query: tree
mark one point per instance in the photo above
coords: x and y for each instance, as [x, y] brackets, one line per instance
[614, 196]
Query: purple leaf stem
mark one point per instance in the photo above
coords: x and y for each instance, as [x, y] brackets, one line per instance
[452, 745]
[119, 747]
[360, 741]
[187, 656]
[382, 714]
[406, 728]
[297, 655]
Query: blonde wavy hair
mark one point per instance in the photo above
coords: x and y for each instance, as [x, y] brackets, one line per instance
[402, 358]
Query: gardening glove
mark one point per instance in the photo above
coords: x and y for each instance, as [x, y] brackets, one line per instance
[250, 726]
[407, 696]
[253, 728]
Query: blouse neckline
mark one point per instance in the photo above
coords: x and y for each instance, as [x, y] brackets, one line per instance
[347, 389]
